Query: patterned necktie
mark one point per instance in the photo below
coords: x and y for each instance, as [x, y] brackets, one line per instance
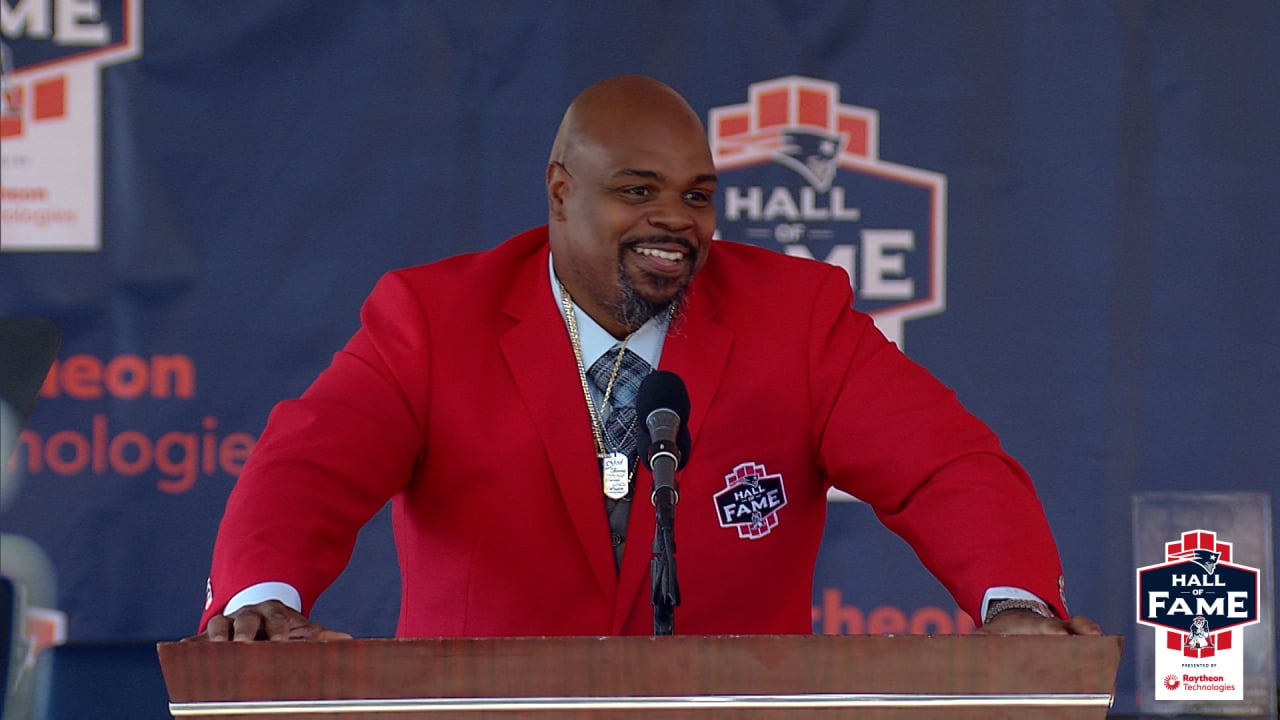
[620, 428]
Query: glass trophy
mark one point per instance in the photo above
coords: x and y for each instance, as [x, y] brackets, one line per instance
[1206, 640]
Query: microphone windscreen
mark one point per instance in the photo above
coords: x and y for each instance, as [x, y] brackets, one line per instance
[663, 389]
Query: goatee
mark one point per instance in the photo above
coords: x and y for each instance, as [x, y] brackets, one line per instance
[633, 310]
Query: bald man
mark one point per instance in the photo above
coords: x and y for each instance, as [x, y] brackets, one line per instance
[465, 400]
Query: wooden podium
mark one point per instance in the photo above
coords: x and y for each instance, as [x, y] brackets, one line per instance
[807, 677]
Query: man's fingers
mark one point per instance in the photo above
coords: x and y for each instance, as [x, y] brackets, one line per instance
[278, 622]
[1017, 622]
[219, 628]
[270, 620]
[1044, 626]
[1081, 625]
[246, 626]
[304, 629]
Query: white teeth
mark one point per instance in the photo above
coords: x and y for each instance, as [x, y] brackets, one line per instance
[663, 254]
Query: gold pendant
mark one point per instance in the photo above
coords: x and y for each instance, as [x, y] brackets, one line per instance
[617, 475]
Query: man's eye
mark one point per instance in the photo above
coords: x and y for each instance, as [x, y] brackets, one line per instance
[638, 191]
[697, 197]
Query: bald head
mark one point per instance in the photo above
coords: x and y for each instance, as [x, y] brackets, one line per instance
[630, 187]
[624, 107]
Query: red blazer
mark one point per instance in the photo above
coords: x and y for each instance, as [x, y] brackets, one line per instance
[459, 400]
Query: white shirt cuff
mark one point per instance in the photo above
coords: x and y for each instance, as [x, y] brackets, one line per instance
[262, 592]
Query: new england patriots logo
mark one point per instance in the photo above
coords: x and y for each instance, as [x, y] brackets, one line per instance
[1207, 559]
[751, 500]
[815, 154]
[1199, 636]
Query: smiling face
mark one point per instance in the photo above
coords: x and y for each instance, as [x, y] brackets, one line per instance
[630, 187]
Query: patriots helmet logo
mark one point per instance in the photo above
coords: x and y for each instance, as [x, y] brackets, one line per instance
[815, 154]
[1206, 559]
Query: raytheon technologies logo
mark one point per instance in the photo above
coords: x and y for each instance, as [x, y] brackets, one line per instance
[802, 174]
[1198, 600]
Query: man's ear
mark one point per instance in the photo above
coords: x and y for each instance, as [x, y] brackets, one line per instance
[558, 181]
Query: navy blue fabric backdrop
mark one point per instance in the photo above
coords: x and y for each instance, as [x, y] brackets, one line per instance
[1088, 196]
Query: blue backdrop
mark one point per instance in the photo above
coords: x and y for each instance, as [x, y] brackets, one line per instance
[1090, 194]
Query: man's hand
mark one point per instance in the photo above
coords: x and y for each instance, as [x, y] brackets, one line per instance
[1025, 622]
[270, 620]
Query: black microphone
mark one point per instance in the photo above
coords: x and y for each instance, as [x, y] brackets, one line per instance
[663, 404]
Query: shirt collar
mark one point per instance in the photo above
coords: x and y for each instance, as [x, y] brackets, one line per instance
[646, 342]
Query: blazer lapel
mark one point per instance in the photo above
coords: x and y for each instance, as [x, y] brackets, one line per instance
[538, 352]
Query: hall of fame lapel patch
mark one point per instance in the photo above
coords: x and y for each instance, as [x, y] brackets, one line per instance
[751, 500]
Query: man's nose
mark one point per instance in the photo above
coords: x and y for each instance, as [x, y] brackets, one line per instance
[671, 215]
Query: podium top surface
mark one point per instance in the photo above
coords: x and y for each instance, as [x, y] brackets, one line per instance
[550, 676]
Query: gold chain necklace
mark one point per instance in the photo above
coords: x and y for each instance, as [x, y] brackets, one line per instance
[575, 340]
[617, 470]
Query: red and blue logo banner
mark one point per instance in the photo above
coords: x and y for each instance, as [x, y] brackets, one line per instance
[1197, 601]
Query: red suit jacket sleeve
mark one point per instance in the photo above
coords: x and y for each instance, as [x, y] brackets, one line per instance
[895, 437]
